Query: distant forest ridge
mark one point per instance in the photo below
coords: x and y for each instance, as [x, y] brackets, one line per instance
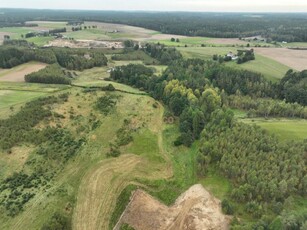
[289, 27]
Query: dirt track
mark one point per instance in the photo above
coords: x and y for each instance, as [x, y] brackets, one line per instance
[296, 59]
[195, 209]
[98, 186]
[101, 185]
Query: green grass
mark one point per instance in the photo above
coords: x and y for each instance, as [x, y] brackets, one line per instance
[190, 41]
[40, 41]
[270, 69]
[145, 144]
[16, 32]
[95, 76]
[217, 185]
[284, 129]
[239, 113]
[52, 25]
[11, 100]
[295, 44]
[89, 34]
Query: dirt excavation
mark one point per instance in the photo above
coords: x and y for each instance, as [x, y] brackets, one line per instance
[85, 44]
[195, 209]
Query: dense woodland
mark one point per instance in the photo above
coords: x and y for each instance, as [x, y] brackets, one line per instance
[72, 59]
[277, 27]
[52, 74]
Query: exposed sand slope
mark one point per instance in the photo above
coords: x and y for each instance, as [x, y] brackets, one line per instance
[196, 209]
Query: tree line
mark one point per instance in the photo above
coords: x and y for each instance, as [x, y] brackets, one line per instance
[52, 74]
[72, 59]
[277, 27]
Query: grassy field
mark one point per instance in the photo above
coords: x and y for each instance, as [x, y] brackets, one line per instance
[271, 69]
[295, 44]
[284, 129]
[14, 95]
[40, 41]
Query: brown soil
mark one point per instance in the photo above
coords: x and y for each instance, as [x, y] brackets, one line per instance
[296, 59]
[85, 43]
[18, 73]
[195, 209]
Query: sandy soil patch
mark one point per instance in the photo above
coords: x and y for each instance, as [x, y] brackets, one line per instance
[18, 73]
[296, 59]
[227, 41]
[195, 209]
[85, 43]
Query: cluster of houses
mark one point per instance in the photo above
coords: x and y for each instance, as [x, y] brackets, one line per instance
[232, 56]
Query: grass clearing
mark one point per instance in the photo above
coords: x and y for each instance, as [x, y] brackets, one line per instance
[40, 41]
[284, 129]
[218, 185]
[10, 100]
[270, 68]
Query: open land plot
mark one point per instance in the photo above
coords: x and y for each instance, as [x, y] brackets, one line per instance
[85, 43]
[227, 41]
[18, 73]
[190, 211]
[284, 129]
[296, 59]
[295, 45]
[11, 100]
[270, 68]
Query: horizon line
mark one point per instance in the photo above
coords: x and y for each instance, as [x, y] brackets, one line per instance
[158, 11]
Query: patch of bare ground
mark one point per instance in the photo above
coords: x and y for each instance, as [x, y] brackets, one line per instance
[85, 43]
[124, 29]
[296, 59]
[18, 73]
[195, 209]
[227, 41]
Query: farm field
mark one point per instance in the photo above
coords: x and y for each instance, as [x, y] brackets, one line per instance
[284, 129]
[295, 45]
[271, 69]
[295, 59]
[18, 73]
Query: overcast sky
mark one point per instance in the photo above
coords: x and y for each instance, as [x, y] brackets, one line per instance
[164, 5]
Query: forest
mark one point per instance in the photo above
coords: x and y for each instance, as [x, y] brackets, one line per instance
[52, 74]
[71, 59]
[277, 27]
[265, 172]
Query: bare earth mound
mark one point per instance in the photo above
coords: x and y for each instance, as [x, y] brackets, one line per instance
[85, 44]
[196, 209]
[296, 59]
[18, 73]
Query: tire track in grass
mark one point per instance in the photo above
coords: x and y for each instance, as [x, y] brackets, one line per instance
[99, 189]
